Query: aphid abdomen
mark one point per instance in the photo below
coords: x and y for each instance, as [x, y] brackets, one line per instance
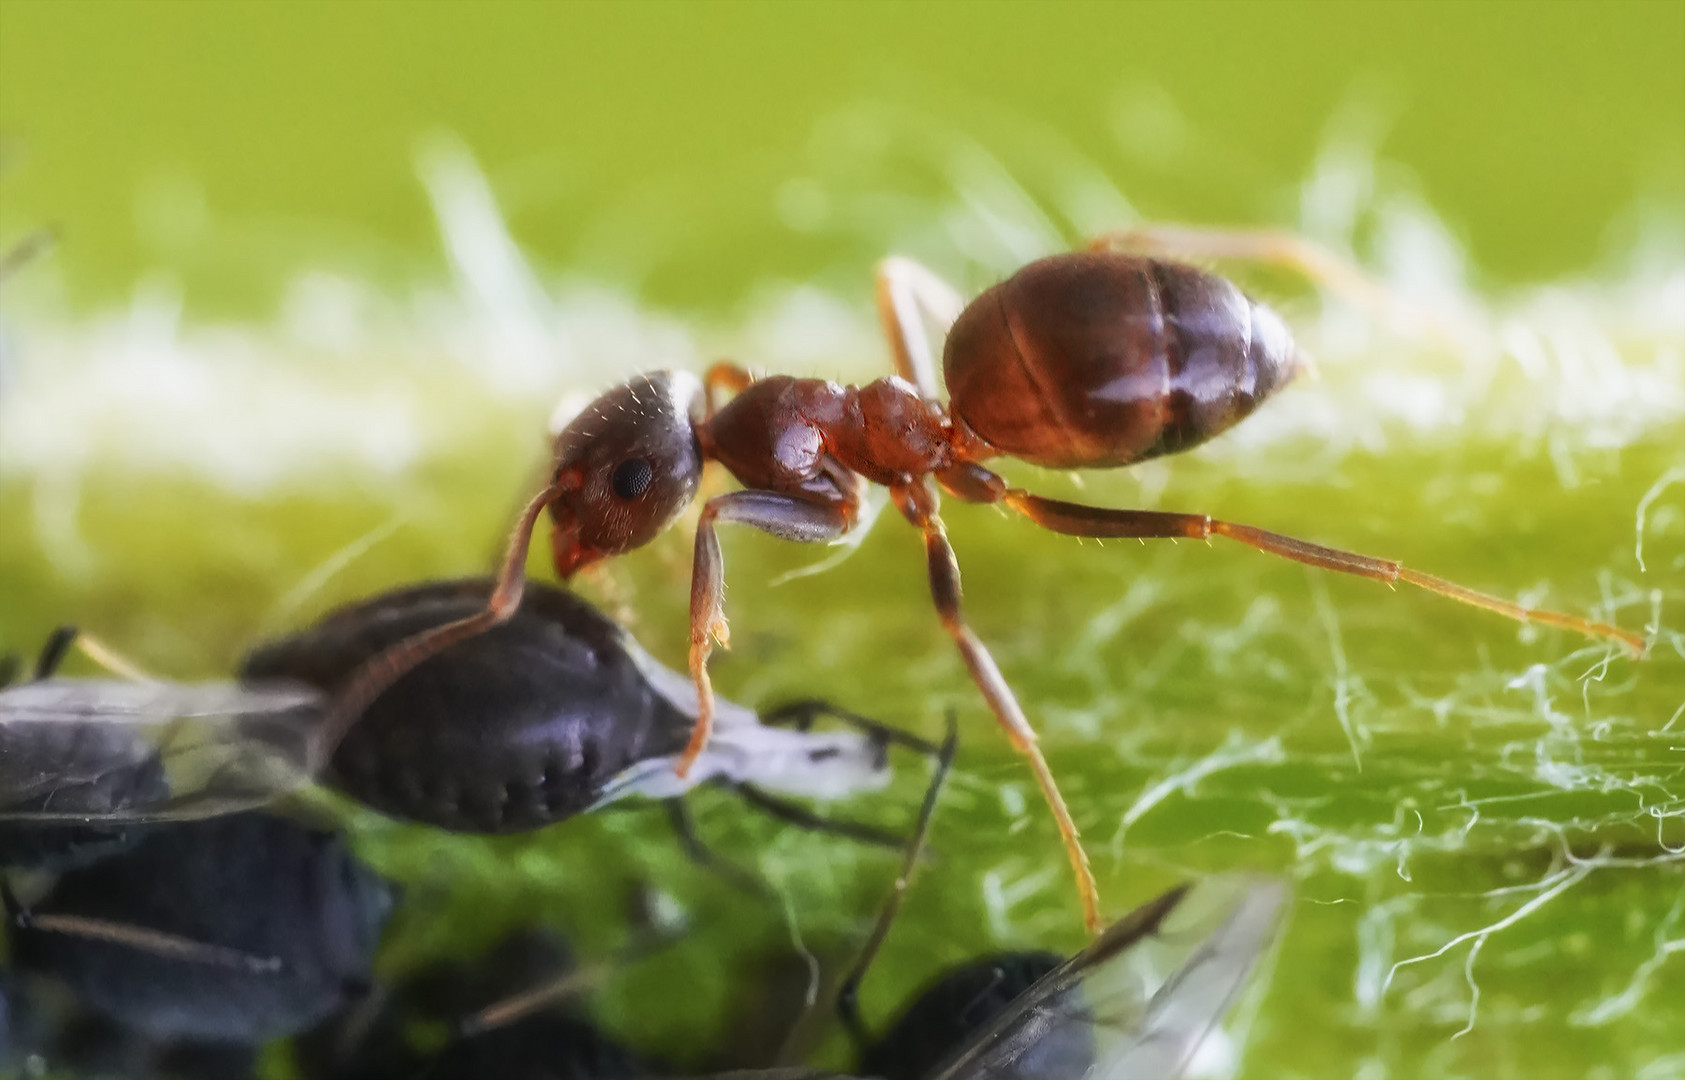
[511, 730]
[1096, 360]
[295, 915]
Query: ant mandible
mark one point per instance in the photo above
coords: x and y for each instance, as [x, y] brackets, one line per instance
[1092, 359]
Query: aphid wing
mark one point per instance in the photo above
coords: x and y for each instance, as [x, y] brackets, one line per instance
[84, 750]
[1096, 1018]
[1191, 1002]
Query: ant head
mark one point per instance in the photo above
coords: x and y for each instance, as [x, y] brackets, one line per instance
[626, 467]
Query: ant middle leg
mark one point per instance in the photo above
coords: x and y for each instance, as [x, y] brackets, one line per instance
[908, 293]
[1077, 519]
[788, 517]
[918, 502]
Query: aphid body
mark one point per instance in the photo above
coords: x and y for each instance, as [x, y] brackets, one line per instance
[553, 713]
[237, 929]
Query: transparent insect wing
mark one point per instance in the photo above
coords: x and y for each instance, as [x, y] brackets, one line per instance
[87, 750]
[1099, 1017]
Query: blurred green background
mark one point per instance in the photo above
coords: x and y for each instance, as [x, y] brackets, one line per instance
[695, 160]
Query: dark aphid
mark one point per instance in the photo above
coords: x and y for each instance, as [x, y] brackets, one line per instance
[1097, 359]
[956, 1005]
[1107, 1012]
[502, 1016]
[1108, 998]
[232, 929]
[1034, 1016]
[555, 712]
[83, 758]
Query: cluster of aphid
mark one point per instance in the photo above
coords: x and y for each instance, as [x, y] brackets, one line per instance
[184, 914]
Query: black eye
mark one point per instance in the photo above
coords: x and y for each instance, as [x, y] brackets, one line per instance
[631, 478]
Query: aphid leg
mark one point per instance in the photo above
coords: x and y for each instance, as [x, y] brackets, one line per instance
[53, 651]
[802, 714]
[907, 294]
[64, 638]
[788, 517]
[1076, 519]
[26, 251]
[848, 994]
[698, 852]
[1275, 247]
[723, 378]
[918, 501]
[377, 675]
[802, 818]
[160, 944]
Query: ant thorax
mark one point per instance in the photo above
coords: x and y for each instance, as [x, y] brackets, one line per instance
[778, 433]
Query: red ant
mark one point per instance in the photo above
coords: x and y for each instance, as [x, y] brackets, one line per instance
[1094, 359]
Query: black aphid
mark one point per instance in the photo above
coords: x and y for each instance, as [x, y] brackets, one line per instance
[555, 712]
[83, 760]
[507, 1015]
[233, 929]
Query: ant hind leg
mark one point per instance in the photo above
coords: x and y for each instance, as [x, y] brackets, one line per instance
[1077, 519]
[918, 502]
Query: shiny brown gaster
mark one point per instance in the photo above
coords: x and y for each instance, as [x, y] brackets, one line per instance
[1095, 359]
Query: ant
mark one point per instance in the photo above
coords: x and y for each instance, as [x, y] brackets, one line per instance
[1093, 359]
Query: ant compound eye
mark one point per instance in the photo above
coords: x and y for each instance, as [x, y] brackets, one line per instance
[632, 478]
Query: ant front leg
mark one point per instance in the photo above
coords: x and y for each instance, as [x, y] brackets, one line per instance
[1076, 519]
[376, 676]
[788, 517]
[918, 502]
[907, 294]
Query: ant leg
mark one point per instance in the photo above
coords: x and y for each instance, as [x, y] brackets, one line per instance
[907, 290]
[918, 501]
[723, 377]
[788, 517]
[378, 674]
[801, 715]
[698, 852]
[1076, 519]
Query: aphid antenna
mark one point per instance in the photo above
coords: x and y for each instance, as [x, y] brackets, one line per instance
[848, 993]
[518, 1006]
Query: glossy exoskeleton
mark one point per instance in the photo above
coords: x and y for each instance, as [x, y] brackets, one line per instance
[555, 712]
[235, 929]
[84, 761]
[1096, 359]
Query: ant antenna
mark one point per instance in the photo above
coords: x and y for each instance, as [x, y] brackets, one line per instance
[848, 994]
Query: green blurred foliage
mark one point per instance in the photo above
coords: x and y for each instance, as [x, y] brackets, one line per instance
[653, 146]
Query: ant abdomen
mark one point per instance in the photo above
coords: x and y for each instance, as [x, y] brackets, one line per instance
[1097, 360]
